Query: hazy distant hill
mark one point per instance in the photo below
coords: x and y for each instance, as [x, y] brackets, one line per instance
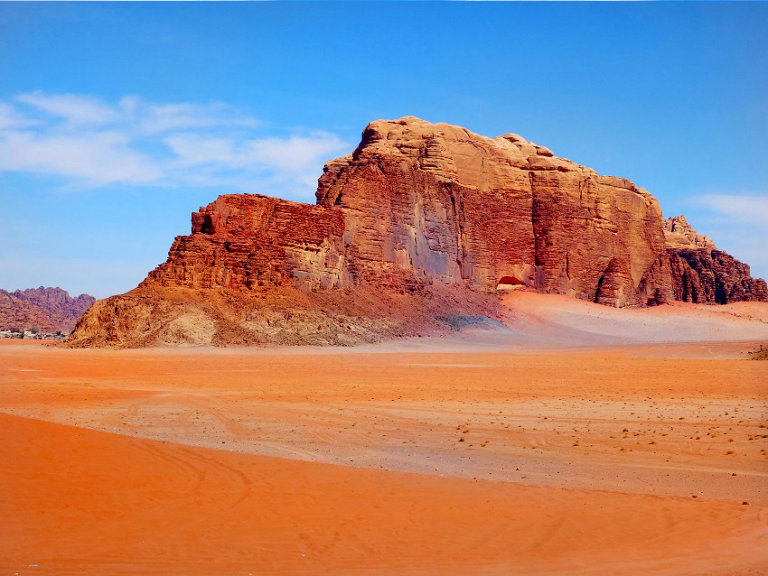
[46, 309]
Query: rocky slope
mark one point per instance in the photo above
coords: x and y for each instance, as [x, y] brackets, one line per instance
[43, 309]
[420, 225]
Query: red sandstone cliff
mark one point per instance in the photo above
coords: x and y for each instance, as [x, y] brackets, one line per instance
[420, 223]
[437, 202]
[703, 274]
[43, 309]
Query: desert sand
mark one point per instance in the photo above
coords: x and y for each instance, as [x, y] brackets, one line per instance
[578, 439]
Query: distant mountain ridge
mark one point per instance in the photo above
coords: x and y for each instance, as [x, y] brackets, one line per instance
[43, 309]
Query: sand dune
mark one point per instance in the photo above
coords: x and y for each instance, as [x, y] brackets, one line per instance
[533, 449]
[586, 323]
[84, 502]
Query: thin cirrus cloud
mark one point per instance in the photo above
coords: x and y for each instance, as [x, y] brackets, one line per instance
[10, 118]
[95, 158]
[76, 110]
[738, 207]
[92, 143]
[294, 152]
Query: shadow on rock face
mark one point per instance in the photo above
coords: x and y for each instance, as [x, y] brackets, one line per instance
[460, 322]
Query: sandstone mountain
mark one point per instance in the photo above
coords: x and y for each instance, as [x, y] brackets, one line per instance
[44, 309]
[417, 229]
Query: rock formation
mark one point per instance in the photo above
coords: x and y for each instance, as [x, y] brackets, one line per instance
[680, 235]
[703, 274]
[43, 309]
[420, 223]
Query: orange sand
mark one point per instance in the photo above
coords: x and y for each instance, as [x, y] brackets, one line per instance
[330, 462]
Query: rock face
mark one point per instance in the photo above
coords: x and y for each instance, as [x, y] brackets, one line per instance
[703, 274]
[420, 223]
[43, 309]
[254, 242]
[432, 202]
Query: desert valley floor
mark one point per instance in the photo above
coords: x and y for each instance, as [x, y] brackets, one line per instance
[581, 440]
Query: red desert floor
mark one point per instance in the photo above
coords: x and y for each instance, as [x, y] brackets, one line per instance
[640, 459]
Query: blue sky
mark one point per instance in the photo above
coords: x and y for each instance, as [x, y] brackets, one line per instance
[118, 120]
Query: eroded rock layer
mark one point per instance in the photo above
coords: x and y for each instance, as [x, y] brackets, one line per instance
[432, 220]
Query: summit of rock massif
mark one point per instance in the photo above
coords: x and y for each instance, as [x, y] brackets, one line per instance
[679, 235]
[420, 225]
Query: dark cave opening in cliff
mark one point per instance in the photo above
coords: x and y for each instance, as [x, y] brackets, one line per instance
[207, 227]
[509, 283]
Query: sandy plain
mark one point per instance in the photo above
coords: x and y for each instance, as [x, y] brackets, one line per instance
[581, 440]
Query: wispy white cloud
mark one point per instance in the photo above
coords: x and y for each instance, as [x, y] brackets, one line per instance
[739, 207]
[11, 118]
[99, 158]
[152, 118]
[298, 151]
[71, 107]
[89, 142]
[295, 152]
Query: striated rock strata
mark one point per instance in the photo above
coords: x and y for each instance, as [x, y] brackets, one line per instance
[420, 224]
[43, 309]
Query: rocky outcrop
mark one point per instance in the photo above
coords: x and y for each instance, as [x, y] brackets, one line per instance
[256, 242]
[703, 274]
[43, 309]
[421, 222]
[713, 276]
[680, 235]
